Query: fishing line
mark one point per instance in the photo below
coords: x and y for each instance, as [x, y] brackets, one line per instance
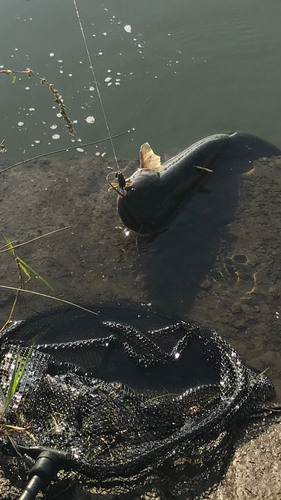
[96, 83]
[63, 150]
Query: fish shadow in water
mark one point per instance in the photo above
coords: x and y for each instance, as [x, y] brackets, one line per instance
[178, 259]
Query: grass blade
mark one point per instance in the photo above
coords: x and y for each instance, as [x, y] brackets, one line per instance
[26, 268]
[10, 245]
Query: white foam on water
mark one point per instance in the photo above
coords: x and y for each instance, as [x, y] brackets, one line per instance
[90, 119]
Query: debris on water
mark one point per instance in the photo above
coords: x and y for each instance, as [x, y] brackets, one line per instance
[90, 119]
[56, 136]
[128, 28]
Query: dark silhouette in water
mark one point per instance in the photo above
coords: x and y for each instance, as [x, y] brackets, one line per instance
[177, 260]
[155, 192]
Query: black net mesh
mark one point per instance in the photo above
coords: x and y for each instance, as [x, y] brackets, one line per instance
[129, 393]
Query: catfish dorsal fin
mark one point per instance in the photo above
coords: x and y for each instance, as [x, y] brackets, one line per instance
[148, 159]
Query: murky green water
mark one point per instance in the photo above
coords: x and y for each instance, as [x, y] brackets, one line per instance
[174, 72]
[184, 70]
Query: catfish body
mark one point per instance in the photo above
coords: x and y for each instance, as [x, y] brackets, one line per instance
[155, 192]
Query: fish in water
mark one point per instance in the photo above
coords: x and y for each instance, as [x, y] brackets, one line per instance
[154, 192]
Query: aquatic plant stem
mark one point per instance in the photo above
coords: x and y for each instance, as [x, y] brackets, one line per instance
[49, 297]
[34, 239]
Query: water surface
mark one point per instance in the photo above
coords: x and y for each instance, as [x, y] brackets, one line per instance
[181, 71]
[173, 72]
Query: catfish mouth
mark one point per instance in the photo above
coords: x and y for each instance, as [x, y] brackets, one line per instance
[129, 220]
[126, 216]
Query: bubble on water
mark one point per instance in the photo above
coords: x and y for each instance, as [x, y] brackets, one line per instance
[56, 136]
[59, 60]
[53, 127]
[58, 115]
[51, 54]
[90, 119]
[20, 124]
[100, 53]
[80, 150]
[37, 142]
[104, 34]
[61, 71]
[128, 28]
[27, 88]
[117, 83]
[70, 74]
[31, 109]
[92, 88]
[109, 71]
